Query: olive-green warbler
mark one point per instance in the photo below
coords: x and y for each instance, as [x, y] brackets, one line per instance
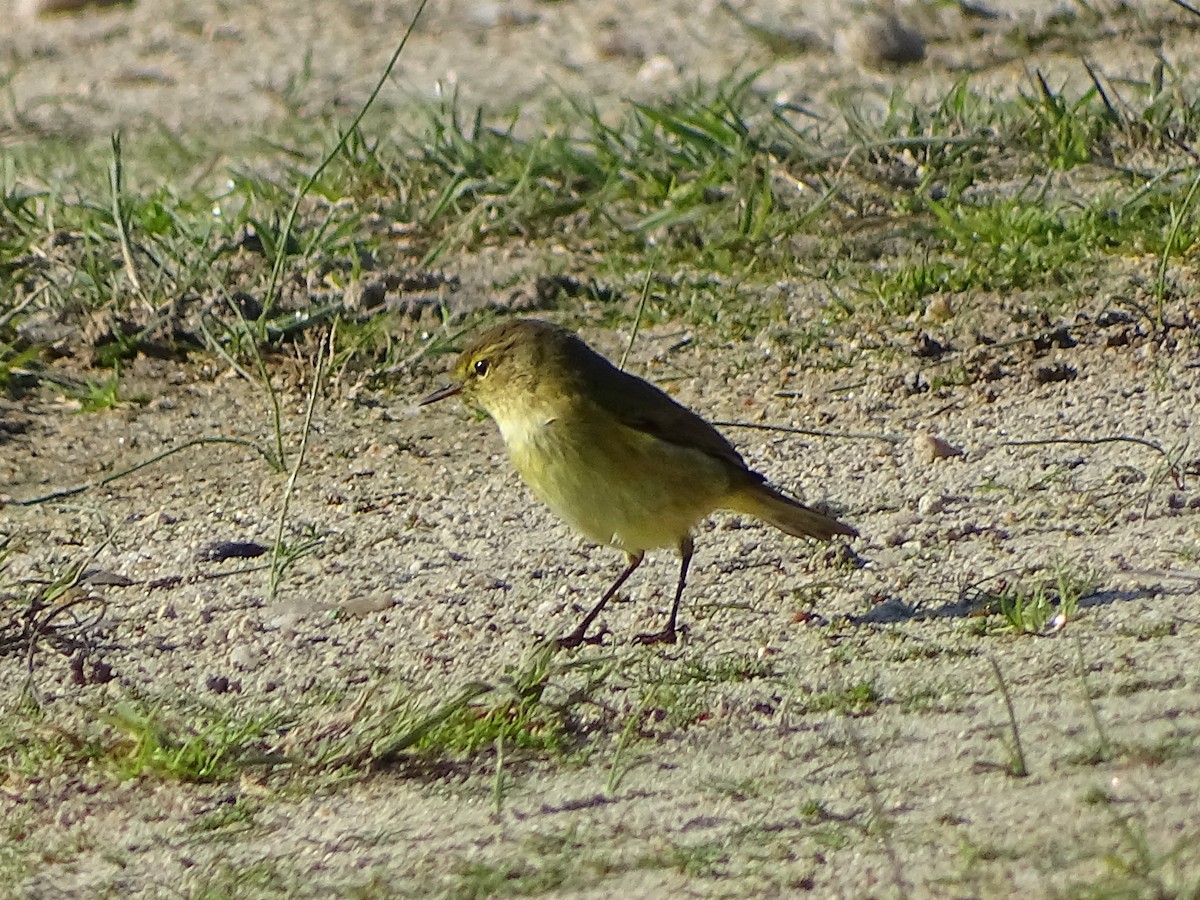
[612, 454]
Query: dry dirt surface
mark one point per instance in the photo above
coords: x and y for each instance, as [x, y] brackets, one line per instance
[839, 721]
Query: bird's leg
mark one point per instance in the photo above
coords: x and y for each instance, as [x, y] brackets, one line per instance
[668, 635]
[578, 636]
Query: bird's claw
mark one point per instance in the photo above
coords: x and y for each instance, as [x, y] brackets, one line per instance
[667, 636]
[577, 638]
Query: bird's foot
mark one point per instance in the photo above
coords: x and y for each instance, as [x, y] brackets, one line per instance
[577, 638]
[668, 635]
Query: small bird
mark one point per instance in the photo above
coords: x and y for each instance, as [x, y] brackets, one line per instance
[613, 455]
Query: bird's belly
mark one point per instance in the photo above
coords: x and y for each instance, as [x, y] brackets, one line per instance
[617, 485]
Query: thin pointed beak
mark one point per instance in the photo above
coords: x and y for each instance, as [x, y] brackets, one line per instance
[449, 390]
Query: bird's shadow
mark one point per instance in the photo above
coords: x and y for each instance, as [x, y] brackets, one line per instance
[974, 602]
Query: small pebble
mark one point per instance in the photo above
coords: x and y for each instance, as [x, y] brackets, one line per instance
[371, 603]
[287, 623]
[931, 504]
[244, 657]
[219, 551]
[928, 447]
[657, 69]
[1059, 371]
[879, 41]
[939, 309]
[493, 15]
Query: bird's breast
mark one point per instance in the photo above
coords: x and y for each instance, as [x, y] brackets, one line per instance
[616, 485]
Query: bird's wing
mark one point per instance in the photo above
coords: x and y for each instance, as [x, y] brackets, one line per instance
[644, 407]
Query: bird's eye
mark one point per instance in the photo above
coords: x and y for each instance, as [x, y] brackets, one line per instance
[481, 367]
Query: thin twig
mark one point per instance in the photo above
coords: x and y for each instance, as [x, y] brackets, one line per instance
[1177, 218]
[1105, 745]
[118, 214]
[1019, 766]
[1171, 465]
[815, 432]
[637, 319]
[277, 549]
[1112, 439]
[107, 479]
[265, 377]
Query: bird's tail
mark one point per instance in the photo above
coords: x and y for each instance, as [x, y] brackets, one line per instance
[786, 514]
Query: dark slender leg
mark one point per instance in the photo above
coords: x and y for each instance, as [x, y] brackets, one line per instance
[577, 637]
[668, 635]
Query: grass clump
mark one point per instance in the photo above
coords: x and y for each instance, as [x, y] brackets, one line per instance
[529, 711]
[732, 193]
[1139, 866]
[215, 747]
[1033, 604]
[193, 744]
[858, 699]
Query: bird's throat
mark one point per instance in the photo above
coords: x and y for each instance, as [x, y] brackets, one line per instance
[525, 429]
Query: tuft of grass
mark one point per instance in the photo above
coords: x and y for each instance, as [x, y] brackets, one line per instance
[193, 744]
[31, 747]
[702, 860]
[214, 747]
[99, 395]
[727, 667]
[939, 698]
[1029, 605]
[1139, 866]
[1026, 611]
[1065, 132]
[229, 820]
[859, 699]
[15, 864]
[530, 710]
[516, 711]
[15, 362]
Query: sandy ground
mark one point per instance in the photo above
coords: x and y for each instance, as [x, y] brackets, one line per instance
[184, 65]
[437, 569]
